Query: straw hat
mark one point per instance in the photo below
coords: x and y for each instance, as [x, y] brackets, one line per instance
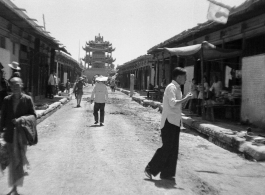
[14, 65]
[81, 78]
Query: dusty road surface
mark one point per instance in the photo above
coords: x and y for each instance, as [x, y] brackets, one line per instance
[74, 156]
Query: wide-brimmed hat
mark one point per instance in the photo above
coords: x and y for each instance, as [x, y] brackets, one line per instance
[14, 65]
[81, 78]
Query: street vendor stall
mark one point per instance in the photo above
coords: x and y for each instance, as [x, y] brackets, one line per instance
[205, 52]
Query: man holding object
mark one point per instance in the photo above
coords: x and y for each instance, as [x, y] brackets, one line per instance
[165, 159]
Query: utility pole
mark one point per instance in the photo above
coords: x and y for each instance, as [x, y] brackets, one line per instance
[43, 21]
[79, 52]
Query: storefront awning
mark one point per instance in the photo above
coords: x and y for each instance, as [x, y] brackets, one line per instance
[209, 51]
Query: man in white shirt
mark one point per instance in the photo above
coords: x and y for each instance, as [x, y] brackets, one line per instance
[100, 96]
[165, 159]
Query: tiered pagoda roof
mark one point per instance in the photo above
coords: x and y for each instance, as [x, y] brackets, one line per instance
[96, 52]
[89, 48]
[90, 59]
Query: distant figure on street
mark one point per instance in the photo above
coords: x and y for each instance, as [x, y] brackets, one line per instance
[51, 85]
[67, 86]
[56, 86]
[100, 96]
[164, 160]
[112, 85]
[217, 86]
[18, 123]
[163, 83]
[193, 100]
[203, 93]
[78, 90]
[15, 69]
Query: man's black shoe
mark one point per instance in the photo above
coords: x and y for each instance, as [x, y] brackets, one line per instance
[96, 122]
[101, 124]
[147, 172]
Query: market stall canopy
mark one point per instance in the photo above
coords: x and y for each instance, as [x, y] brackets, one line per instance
[209, 51]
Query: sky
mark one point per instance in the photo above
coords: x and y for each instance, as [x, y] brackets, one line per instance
[132, 26]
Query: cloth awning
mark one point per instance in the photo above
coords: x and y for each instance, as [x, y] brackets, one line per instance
[210, 51]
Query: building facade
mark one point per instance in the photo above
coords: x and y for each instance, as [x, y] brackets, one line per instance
[67, 68]
[24, 41]
[244, 72]
[143, 70]
[98, 58]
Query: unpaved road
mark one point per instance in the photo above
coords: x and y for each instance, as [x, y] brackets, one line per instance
[74, 156]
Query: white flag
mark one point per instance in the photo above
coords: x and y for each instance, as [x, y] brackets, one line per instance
[218, 11]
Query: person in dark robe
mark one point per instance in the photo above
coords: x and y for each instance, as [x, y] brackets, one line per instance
[15, 107]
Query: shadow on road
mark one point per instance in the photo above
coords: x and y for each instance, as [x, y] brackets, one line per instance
[95, 126]
[166, 184]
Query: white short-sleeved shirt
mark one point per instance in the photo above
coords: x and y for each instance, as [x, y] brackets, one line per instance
[172, 110]
[99, 93]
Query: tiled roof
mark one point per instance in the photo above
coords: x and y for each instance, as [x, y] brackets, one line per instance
[239, 14]
[17, 16]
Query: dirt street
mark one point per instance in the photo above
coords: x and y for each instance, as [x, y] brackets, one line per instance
[74, 156]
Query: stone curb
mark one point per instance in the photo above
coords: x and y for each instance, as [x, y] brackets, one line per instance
[43, 114]
[215, 134]
[223, 138]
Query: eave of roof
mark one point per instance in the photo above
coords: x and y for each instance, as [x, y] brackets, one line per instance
[65, 55]
[12, 13]
[256, 8]
[143, 57]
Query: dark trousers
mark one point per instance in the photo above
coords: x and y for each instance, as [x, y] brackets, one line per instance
[165, 159]
[101, 108]
[50, 91]
[192, 106]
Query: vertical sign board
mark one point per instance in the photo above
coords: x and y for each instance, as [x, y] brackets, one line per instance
[65, 77]
[253, 90]
[5, 60]
[190, 70]
[131, 84]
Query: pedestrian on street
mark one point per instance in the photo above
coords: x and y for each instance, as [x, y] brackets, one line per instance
[67, 86]
[18, 124]
[112, 85]
[51, 85]
[100, 96]
[78, 90]
[164, 160]
[193, 100]
[15, 69]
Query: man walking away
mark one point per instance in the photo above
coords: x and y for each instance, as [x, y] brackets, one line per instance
[165, 159]
[100, 96]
